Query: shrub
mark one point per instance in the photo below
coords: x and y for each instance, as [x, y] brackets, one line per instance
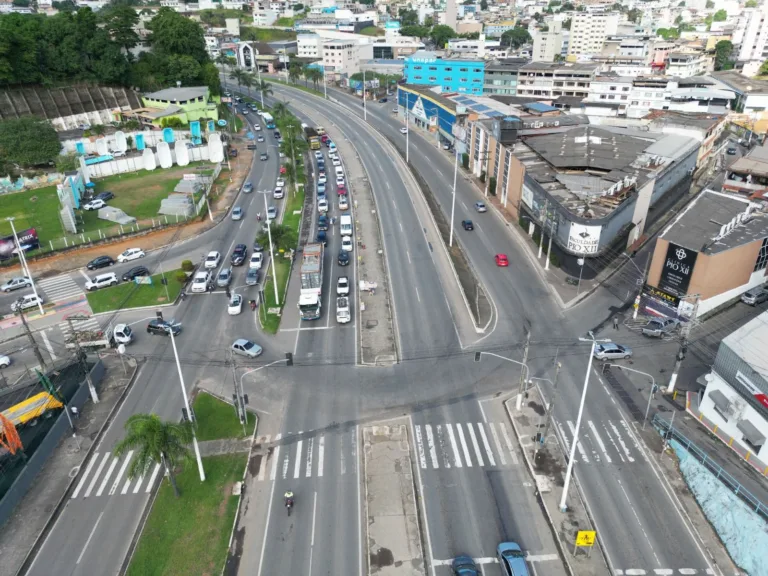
[554, 260]
[465, 161]
[187, 266]
[492, 185]
[482, 176]
[181, 277]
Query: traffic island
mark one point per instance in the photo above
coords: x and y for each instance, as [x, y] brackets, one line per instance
[150, 291]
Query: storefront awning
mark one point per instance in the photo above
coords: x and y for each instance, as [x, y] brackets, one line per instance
[720, 400]
[751, 434]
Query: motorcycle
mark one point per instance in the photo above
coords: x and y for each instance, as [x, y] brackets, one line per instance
[289, 505]
[253, 305]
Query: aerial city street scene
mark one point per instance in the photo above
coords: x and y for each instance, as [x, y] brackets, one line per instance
[384, 287]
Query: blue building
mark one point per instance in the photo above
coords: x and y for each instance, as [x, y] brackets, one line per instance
[433, 113]
[424, 68]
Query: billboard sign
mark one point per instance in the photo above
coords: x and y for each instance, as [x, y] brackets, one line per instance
[584, 239]
[678, 269]
[27, 240]
[758, 394]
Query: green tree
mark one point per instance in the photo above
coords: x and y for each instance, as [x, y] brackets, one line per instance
[720, 16]
[635, 15]
[247, 81]
[668, 33]
[408, 17]
[283, 237]
[305, 71]
[679, 20]
[763, 69]
[483, 5]
[709, 5]
[316, 76]
[28, 141]
[65, 6]
[567, 7]
[209, 75]
[441, 33]
[294, 72]
[225, 61]
[21, 3]
[264, 88]
[279, 110]
[121, 22]
[567, 24]
[723, 50]
[184, 69]
[516, 37]
[155, 442]
[415, 31]
[172, 33]
[749, 4]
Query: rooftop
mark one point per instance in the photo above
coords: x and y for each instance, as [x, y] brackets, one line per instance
[755, 162]
[740, 82]
[698, 119]
[182, 94]
[749, 343]
[564, 67]
[441, 99]
[706, 224]
[506, 64]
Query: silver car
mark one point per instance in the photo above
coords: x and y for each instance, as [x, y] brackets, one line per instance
[612, 351]
[237, 213]
[658, 327]
[224, 278]
[246, 348]
[752, 297]
[252, 277]
[16, 284]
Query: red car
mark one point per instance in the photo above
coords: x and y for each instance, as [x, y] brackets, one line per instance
[501, 260]
[341, 190]
[282, 169]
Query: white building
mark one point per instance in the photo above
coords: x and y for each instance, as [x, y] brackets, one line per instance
[589, 31]
[309, 46]
[264, 16]
[480, 48]
[687, 64]
[750, 36]
[547, 45]
[345, 56]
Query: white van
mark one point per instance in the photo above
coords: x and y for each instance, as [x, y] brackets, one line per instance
[345, 225]
[339, 171]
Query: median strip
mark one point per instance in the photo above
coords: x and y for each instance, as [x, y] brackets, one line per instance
[151, 291]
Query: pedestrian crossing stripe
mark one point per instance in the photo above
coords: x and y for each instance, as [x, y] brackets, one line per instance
[442, 446]
[602, 441]
[60, 288]
[306, 457]
[107, 464]
[88, 325]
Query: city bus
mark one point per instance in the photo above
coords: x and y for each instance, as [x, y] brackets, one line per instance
[270, 122]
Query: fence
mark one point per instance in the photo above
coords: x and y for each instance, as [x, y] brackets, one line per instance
[669, 432]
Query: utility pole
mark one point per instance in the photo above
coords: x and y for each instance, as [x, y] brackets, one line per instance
[543, 223]
[640, 290]
[32, 340]
[551, 407]
[238, 396]
[523, 375]
[81, 358]
[684, 333]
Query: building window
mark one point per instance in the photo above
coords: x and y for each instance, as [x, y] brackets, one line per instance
[448, 79]
[417, 67]
[463, 69]
[477, 81]
[417, 77]
[463, 80]
[477, 70]
[432, 79]
[762, 256]
[448, 69]
[433, 68]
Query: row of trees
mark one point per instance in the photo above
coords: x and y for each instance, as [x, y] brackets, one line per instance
[84, 46]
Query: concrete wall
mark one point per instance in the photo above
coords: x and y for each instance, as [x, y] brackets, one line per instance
[26, 478]
[721, 272]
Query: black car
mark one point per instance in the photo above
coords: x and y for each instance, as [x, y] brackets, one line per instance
[343, 257]
[467, 224]
[382, 100]
[252, 147]
[239, 254]
[731, 151]
[135, 272]
[100, 262]
[161, 327]
[106, 195]
[277, 134]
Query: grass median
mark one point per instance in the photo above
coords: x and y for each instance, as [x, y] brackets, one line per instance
[130, 295]
[270, 312]
[216, 419]
[189, 535]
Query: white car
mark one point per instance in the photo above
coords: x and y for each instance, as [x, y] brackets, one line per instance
[101, 281]
[4, 361]
[322, 179]
[16, 284]
[343, 202]
[346, 243]
[280, 183]
[278, 193]
[342, 286]
[257, 127]
[403, 130]
[200, 281]
[257, 258]
[235, 305]
[322, 205]
[340, 181]
[26, 302]
[118, 153]
[336, 161]
[131, 254]
[318, 155]
[94, 204]
[333, 155]
[271, 213]
[212, 260]
[237, 213]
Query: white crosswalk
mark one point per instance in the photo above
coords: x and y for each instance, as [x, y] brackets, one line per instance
[306, 457]
[464, 444]
[91, 324]
[93, 483]
[60, 288]
[603, 442]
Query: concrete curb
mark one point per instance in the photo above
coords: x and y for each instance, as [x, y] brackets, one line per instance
[26, 564]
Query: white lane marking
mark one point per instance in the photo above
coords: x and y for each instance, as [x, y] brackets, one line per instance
[401, 226]
[85, 475]
[48, 344]
[615, 446]
[431, 444]
[320, 456]
[687, 571]
[488, 450]
[120, 472]
[96, 475]
[599, 440]
[343, 461]
[454, 447]
[418, 297]
[475, 444]
[542, 557]
[152, 478]
[275, 458]
[139, 482]
[621, 441]
[100, 491]
[497, 441]
[634, 572]
[310, 450]
[297, 466]
[578, 445]
[87, 278]
[464, 446]
[663, 571]
[633, 438]
[508, 442]
[262, 468]
[93, 531]
[420, 446]
[407, 253]
[482, 412]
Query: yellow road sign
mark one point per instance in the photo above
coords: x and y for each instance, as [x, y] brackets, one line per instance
[585, 538]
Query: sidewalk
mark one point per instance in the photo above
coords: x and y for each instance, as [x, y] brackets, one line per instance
[49, 491]
[546, 464]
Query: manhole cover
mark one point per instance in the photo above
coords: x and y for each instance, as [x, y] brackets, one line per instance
[371, 323]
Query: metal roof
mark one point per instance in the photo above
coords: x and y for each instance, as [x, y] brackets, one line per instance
[750, 342]
[539, 107]
[178, 94]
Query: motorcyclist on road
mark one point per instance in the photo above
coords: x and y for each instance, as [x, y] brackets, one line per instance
[288, 499]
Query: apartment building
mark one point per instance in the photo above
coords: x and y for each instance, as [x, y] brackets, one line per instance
[589, 31]
[452, 75]
[309, 46]
[501, 76]
[750, 35]
[345, 56]
[686, 64]
[552, 80]
[610, 89]
[547, 45]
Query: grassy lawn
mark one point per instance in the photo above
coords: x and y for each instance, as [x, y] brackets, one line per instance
[299, 86]
[295, 203]
[265, 34]
[37, 209]
[130, 295]
[217, 419]
[271, 322]
[372, 31]
[189, 535]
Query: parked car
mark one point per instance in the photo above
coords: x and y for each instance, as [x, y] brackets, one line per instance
[101, 281]
[235, 305]
[280, 183]
[26, 302]
[322, 179]
[318, 155]
[246, 348]
[224, 278]
[5, 361]
[322, 237]
[343, 257]
[271, 213]
[657, 327]
[239, 254]
[212, 260]
[612, 351]
[481, 207]
[200, 281]
[259, 138]
[755, 296]
[131, 254]
[467, 225]
[278, 193]
[100, 262]
[16, 283]
[106, 195]
[135, 272]
[94, 204]
[163, 327]
[252, 277]
[118, 153]
[237, 213]
[257, 247]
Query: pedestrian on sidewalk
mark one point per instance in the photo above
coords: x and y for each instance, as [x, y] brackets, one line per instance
[75, 411]
[615, 322]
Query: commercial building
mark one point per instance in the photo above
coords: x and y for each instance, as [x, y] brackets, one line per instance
[736, 395]
[185, 104]
[594, 189]
[685, 64]
[712, 252]
[589, 31]
[465, 76]
[706, 128]
[433, 112]
[481, 48]
[547, 45]
[496, 30]
[309, 46]
[750, 37]
[343, 57]
[501, 76]
[551, 80]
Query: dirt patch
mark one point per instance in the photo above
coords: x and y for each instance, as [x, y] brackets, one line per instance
[546, 465]
[382, 557]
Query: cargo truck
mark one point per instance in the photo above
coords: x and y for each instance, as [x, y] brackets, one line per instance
[342, 310]
[110, 338]
[312, 137]
[311, 274]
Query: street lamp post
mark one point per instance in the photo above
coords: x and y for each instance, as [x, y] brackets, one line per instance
[453, 201]
[407, 136]
[186, 404]
[580, 262]
[258, 75]
[365, 108]
[522, 364]
[271, 251]
[325, 83]
[23, 262]
[650, 394]
[569, 470]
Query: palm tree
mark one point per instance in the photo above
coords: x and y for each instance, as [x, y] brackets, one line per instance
[224, 61]
[264, 88]
[290, 175]
[279, 109]
[247, 82]
[316, 76]
[237, 75]
[306, 71]
[155, 441]
[294, 71]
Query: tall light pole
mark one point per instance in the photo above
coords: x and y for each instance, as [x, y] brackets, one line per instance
[453, 202]
[258, 75]
[365, 108]
[650, 394]
[271, 251]
[569, 470]
[23, 261]
[186, 404]
[407, 135]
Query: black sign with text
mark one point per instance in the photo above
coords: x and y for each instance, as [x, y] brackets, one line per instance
[677, 270]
